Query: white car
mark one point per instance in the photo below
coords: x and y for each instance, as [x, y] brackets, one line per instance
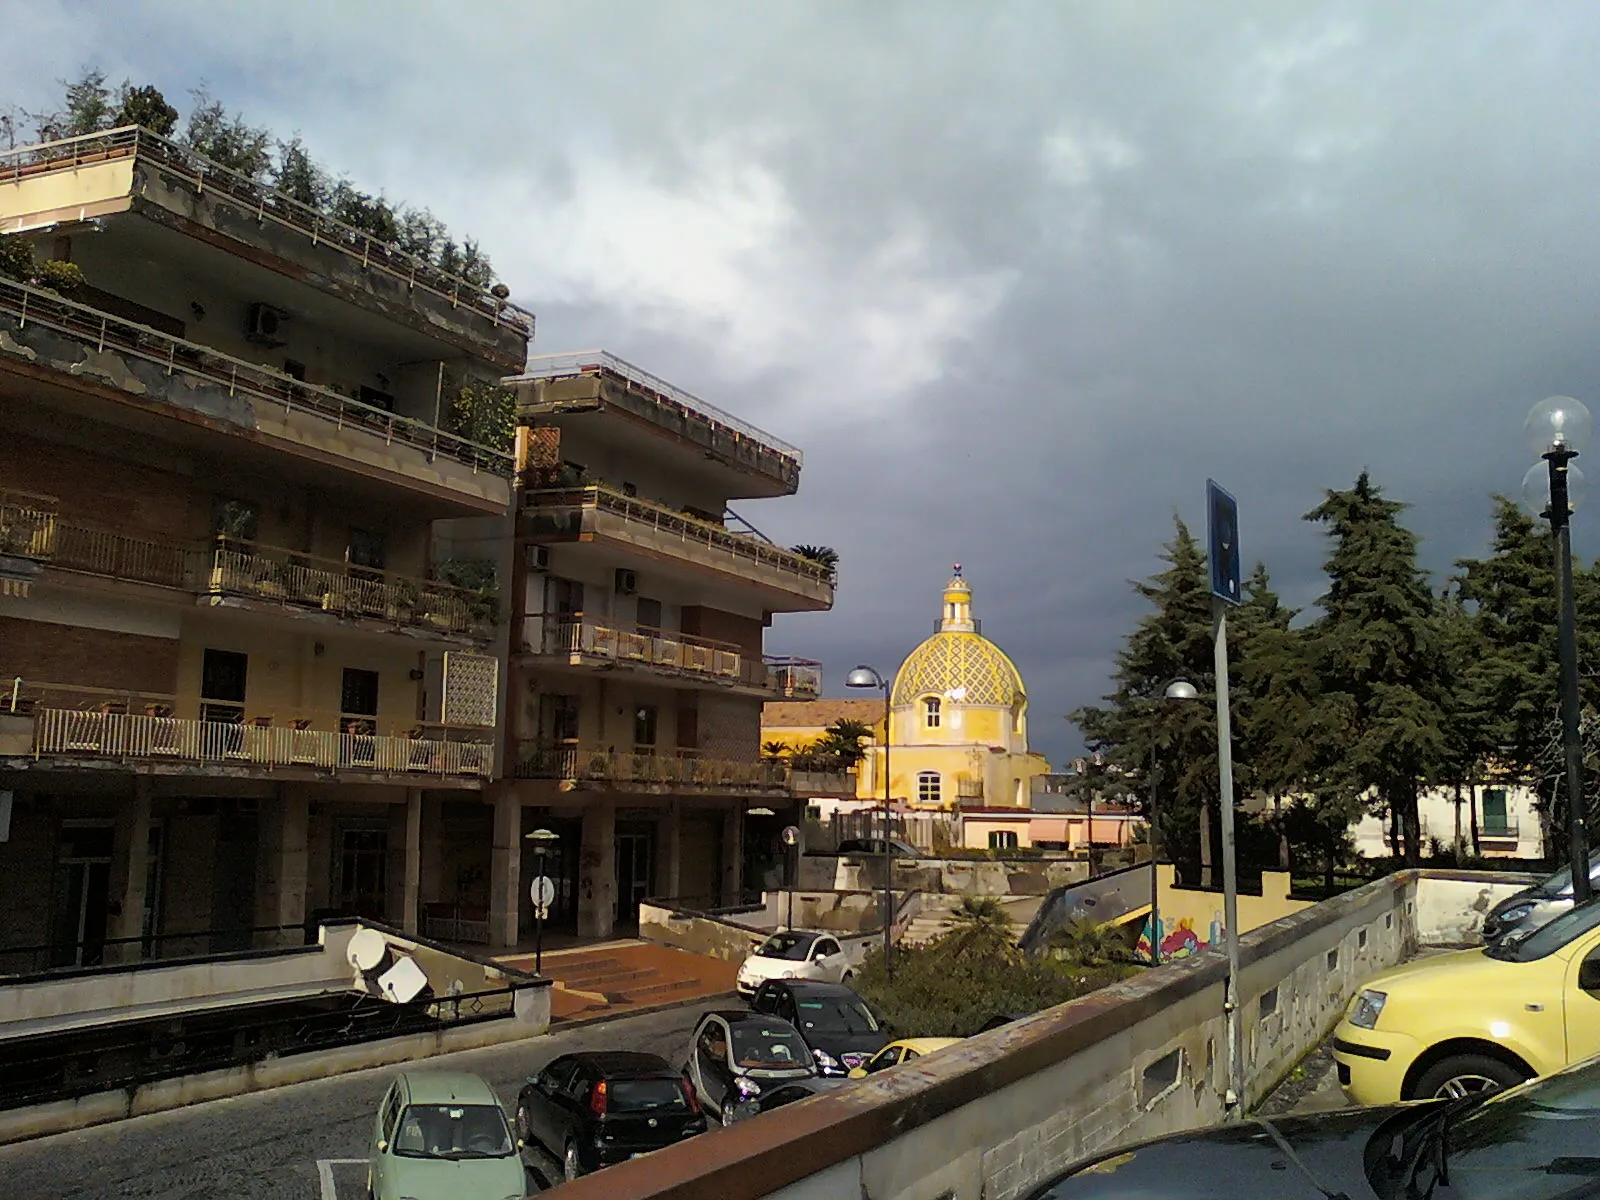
[795, 954]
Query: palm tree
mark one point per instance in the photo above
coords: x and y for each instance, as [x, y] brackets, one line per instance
[1087, 944]
[842, 740]
[774, 750]
[980, 925]
[823, 556]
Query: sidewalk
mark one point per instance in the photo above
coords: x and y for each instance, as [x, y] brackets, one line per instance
[617, 978]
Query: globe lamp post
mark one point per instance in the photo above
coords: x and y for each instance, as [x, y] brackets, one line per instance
[1177, 690]
[866, 677]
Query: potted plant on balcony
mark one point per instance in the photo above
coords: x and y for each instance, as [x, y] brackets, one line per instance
[271, 580]
[403, 601]
[825, 557]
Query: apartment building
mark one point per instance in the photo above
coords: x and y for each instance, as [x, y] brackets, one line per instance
[636, 673]
[238, 691]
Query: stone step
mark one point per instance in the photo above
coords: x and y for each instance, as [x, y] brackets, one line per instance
[592, 980]
[658, 990]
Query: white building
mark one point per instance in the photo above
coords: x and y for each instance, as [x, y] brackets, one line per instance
[1508, 824]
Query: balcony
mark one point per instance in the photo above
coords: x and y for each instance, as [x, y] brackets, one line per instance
[1499, 830]
[227, 571]
[654, 533]
[575, 765]
[43, 330]
[72, 722]
[580, 641]
[132, 169]
[27, 539]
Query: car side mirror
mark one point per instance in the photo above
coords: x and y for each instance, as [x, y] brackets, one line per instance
[857, 1073]
[383, 1146]
[1589, 974]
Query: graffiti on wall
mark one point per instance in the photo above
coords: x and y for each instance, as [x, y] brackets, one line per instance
[1179, 939]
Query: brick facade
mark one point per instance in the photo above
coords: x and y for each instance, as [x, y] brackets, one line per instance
[99, 658]
[95, 489]
[743, 632]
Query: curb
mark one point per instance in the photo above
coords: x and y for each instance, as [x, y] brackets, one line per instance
[567, 1023]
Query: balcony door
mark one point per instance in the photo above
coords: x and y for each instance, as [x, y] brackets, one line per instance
[635, 865]
[82, 893]
[363, 872]
[222, 689]
[358, 717]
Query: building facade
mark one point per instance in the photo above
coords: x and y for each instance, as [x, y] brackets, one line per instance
[239, 689]
[637, 673]
[1506, 821]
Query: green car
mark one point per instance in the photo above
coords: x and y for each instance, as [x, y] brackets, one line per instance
[443, 1136]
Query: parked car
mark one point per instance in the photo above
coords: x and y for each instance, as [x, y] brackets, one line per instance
[788, 1093]
[735, 1057]
[876, 845]
[443, 1134]
[794, 954]
[834, 1021]
[593, 1109]
[896, 1053]
[1534, 1142]
[1476, 1019]
[1523, 912]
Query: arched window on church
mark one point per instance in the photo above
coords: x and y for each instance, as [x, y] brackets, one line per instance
[929, 790]
[930, 712]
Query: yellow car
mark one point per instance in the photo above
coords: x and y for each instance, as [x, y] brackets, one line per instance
[898, 1052]
[1476, 1020]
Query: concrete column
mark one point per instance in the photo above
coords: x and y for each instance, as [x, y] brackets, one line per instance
[732, 853]
[597, 871]
[505, 870]
[130, 871]
[411, 910]
[669, 849]
[432, 889]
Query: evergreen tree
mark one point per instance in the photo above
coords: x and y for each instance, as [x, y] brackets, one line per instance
[1469, 717]
[1136, 726]
[1378, 655]
[297, 176]
[227, 140]
[144, 106]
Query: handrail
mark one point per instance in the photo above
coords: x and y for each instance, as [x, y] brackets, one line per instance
[576, 761]
[268, 204]
[662, 517]
[569, 634]
[178, 356]
[589, 362]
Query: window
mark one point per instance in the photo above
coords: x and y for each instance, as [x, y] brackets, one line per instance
[930, 712]
[644, 726]
[234, 520]
[929, 790]
[358, 700]
[294, 369]
[1002, 839]
[222, 680]
[363, 872]
[365, 550]
[648, 614]
[559, 717]
[565, 596]
[1494, 812]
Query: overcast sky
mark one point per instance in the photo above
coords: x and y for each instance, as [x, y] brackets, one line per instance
[1016, 277]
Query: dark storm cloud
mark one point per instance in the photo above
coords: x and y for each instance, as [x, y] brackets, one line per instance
[1017, 277]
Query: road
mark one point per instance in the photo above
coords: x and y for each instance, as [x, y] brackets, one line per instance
[303, 1142]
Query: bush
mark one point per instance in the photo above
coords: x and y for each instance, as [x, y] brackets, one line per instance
[941, 992]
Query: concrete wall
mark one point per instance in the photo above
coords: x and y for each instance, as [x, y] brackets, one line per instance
[1015, 877]
[993, 1117]
[852, 916]
[1191, 919]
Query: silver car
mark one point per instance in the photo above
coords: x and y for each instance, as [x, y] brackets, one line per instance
[1520, 913]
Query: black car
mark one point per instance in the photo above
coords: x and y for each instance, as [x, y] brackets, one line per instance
[736, 1056]
[594, 1109]
[1533, 1142]
[834, 1021]
[1522, 912]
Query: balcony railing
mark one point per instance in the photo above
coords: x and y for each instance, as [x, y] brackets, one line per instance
[287, 577]
[174, 356]
[547, 504]
[574, 762]
[659, 391]
[675, 653]
[267, 204]
[27, 525]
[1500, 829]
[795, 677]
[120, 556]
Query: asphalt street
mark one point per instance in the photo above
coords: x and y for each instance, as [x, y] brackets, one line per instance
[304, 1142]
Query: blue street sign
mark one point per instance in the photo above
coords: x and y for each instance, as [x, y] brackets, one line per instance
[1222, 540]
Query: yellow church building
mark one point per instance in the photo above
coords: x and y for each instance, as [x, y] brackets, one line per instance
[958, 722]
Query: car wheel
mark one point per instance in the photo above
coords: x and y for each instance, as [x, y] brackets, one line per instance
[1465, 1075]
[571, 1166]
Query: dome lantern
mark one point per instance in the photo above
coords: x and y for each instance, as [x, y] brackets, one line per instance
[958, 663]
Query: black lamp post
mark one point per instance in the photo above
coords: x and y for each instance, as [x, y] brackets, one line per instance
[1178, 689]
[1558, 429]
[543, 841]
[866, 677]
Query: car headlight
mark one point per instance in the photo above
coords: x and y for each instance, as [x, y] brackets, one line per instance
[1368, 1004]
[1515, 913]
[747, 1088]
[826, 1061]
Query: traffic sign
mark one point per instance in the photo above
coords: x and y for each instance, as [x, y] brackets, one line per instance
[542, 891]
[1222, 538]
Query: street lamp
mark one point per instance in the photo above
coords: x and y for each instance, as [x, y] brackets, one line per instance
[866, 677]
[1557, 430]
[543, 891]
[1178, 689]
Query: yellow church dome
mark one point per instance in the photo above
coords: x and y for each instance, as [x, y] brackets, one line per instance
[958, 662]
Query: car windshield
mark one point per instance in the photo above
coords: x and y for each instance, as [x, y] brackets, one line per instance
[768, 1045]
[835, 1015]
[793, 946]
[646, 1095]
[453, 1131]
[1560, 884]
[1547, 939]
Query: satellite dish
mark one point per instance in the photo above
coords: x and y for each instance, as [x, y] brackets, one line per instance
[403, 982]
[367, 950]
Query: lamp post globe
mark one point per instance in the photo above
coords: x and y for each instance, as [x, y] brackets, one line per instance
[1558, 423]
[544, 841]
[865, 677]
[1176, 690]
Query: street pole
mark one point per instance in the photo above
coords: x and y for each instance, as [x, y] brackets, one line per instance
[1155, 877]
[1567, 638]
[538, 920]
[888, 858]
[1234, 1098]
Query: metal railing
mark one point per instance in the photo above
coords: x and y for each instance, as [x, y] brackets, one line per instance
[266, 204]
[662, 519]
[121, 556]
[152, 736]
[27, 525]
[571, 761]
[795, 676]
[289, 577]
[594, 362]
[1499, 829]
[175, 356]
[112, 953]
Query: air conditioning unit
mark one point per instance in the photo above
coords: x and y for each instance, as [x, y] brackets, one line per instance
[264, 325]
[627, 582]
[539, 559]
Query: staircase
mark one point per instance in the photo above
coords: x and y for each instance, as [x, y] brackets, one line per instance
[626, 976]
[934, 918]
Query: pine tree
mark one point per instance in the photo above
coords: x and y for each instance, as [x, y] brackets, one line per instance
[1378, 655]
[144, 106]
